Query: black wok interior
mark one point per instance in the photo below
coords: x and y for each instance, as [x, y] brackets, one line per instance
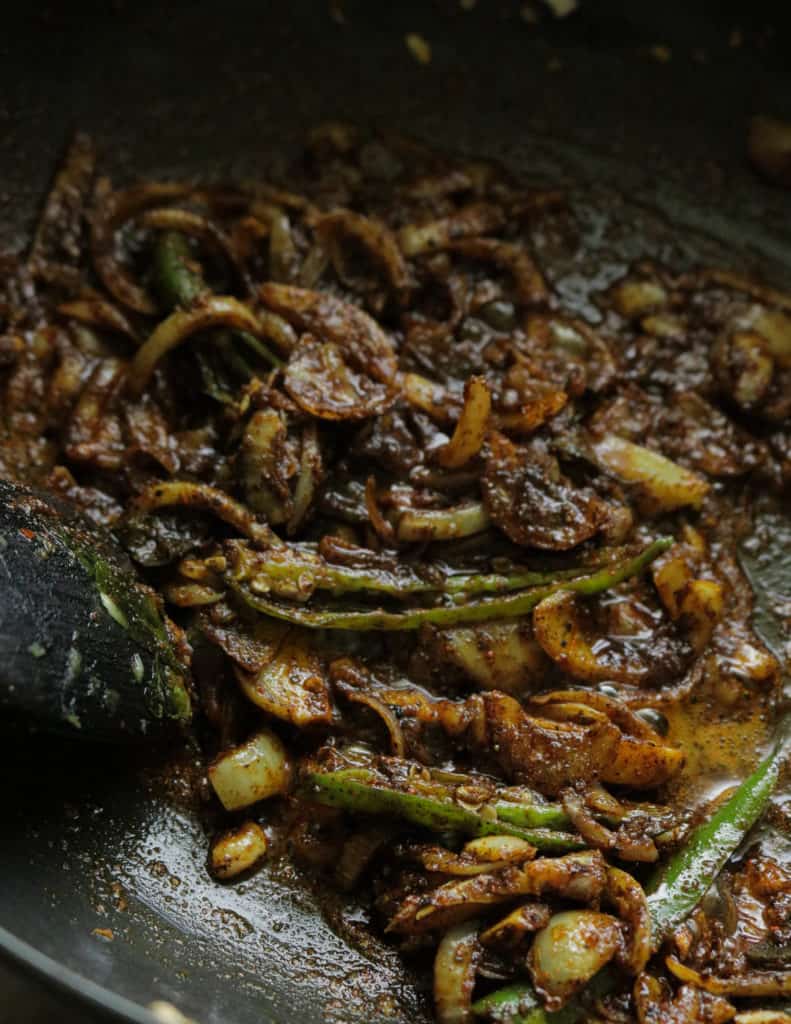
[91, 838]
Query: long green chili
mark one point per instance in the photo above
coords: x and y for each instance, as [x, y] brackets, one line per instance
[305, 569]
[681, 884]
[360, 790]
[499, 607]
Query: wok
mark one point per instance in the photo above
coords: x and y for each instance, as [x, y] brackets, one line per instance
[102, 839]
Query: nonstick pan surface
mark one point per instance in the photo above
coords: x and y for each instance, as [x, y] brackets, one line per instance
[96, 839]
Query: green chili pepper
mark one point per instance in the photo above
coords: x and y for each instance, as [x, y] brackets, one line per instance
[532, 815]
[500, 607]
[360, 790]
[684, 880]
[303, 568]
[178, 282]
[519, 1003]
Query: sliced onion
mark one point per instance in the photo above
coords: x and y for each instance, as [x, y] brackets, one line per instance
[237, 851]
[665, 485]
[470, 430]
[474, 219]
[378, 706]
[428, 524]
[253, 771]
[216, 311]
[565, 955]
[310, 475]
[454, 973]
[741, 986]
[292, 685]
[191, 495]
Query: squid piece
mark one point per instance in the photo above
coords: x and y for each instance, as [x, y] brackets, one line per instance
[531, 505]
[292, 685]
[321, 382]
[479, 856]
[628, 898]
[113, 212]
[640, 758]
[559, 626]
[579, 877]
[665, 486]
[498, 656]
[510, 931]
[537, 751]
[741, 986]
[357, 335]
[98, 312]
[529, 285]
[374, 237]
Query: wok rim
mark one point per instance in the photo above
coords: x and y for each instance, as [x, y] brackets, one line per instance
[60, 978]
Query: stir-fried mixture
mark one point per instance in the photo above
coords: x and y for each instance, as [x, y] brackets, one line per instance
[456, 570]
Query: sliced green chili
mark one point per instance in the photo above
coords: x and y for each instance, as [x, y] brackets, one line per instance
[360, 790]
[500, 607]
[684, 880]
[178, 283]
[306, 570]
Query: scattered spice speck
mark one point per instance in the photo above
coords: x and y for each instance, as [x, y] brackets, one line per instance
[554, 64]
[735, 39]
[529, 14]
[419, 47]
[661, 53]
[467, 5]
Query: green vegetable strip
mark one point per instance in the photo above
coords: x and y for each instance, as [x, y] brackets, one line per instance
[357, 790]
[675, 890]
[260, 349]
[519, 1004]
[341, 579]
[176, 282]
[519, 603]
[532, 815]
[681, 884]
